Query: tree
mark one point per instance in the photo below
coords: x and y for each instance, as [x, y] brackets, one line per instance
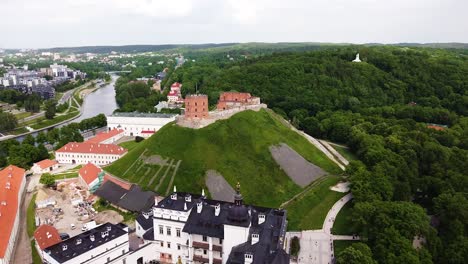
[47, 179]
[50, 108]
[29, 139]
[295, 246]
[41, 138]
[7, 121]
[357, 253]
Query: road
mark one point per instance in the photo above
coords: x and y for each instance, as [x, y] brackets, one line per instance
[31, 117]
[22, 253]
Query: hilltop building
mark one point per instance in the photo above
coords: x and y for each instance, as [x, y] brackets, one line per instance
[230, 100]
[139, 124]
[85, 152]
[175, 96]
[192, 229]
[357, 58]
[196, 106]
[44, 166]
[12, 182]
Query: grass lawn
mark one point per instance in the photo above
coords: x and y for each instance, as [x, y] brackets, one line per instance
[129, 145]
[238, 148]
[66, 175]
[340, 245]
[30, 216]
[343, 224]
[345, 152]
[22, 115]
[309, 211]
[18, 131]
[48, 122]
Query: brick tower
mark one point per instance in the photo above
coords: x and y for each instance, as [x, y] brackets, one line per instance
[196, 106]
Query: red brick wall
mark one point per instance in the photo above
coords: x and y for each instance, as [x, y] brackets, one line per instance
[196, 106]
[235, 97]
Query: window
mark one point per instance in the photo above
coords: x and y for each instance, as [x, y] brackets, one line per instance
[168, 244]
[205, 238]
[204, 252]
[220, 241]
[168, 230]
[162, 244]
[177, 232]
[124, 261]
[108, 259]
[161, 230]
[178, 247]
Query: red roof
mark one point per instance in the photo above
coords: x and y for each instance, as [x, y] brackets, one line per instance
[11, 179]
[148, 132]
[439, 128]
[94, 148]
[172, 93]
[89, 172]
[44, 164]
[176, 84]
[100, 137]
[46, 236]
[121, 183]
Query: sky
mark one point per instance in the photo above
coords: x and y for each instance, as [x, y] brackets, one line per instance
[66, 23]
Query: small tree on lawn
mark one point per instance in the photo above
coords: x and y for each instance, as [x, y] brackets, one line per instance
[47, 179]
[295, 246]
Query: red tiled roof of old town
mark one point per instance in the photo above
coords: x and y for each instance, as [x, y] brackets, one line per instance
[176, 84]
[46, 236]
[148, 132]
[89, 172]
[117, 181]
[100, 137]
[43, 164]
[172, 93]
[93, 148]
[11, 179]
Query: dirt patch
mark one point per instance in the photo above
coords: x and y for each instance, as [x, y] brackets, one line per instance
[219, 187]
[296, 167]
[108, 216]
[156, 160]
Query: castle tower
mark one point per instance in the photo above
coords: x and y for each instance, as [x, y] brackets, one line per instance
[196, 106]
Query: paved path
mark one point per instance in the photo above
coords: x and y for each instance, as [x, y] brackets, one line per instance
[22, 253]
[317, 245]
[335, 153]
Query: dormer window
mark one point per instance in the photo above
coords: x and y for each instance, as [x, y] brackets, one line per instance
[91, 237]
[188, 198]
[109, 228]
[261, 218]
[64, 247]
[78, 241]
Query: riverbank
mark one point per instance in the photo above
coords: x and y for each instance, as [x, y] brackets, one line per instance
[76, 101]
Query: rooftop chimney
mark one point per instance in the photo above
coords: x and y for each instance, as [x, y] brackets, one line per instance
[188, 198]
[185, 206]
[217, 209]
[175, 189]
[203, 192]
[261, 218]
[199, 207]
[255, 238]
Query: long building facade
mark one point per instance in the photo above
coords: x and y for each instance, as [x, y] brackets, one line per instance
[189, 228]
[139, 124]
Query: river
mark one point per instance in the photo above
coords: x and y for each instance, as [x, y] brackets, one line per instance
[101, 101]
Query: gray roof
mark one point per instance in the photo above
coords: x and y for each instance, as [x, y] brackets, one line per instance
[135, 199]
[74, 249]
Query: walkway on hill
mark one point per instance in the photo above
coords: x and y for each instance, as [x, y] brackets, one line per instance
[317, 245]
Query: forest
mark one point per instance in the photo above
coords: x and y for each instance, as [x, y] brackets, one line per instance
[410, 179]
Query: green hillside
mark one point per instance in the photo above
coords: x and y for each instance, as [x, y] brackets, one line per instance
[237, 148]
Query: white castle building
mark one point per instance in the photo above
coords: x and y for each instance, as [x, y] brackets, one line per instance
[188, 228]
[139, 124]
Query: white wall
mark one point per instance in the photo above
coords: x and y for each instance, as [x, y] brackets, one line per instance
[85, 158]
[133, 126]
[234, 235]
[37, 169]
[175, 241]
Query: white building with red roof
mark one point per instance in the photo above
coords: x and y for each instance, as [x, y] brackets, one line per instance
[139, 124]
[12, 184]
[107, 137]
[175, 96]
[44, 166]
[46, 236]
[85, 152]
[91, 175]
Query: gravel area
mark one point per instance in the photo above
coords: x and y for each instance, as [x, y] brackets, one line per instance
[156, 159]
[296, 167]
[219, 187]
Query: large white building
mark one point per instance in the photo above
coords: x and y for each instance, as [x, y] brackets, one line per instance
[106, 243]
[12, 184]
[139, 124]
[85, 152]
[192, 229]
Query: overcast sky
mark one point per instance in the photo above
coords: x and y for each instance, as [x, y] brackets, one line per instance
[53, 23]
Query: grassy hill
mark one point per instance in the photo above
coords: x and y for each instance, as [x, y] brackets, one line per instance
[237, 148]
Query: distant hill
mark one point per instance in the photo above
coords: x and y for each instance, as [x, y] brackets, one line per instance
[237, 148]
